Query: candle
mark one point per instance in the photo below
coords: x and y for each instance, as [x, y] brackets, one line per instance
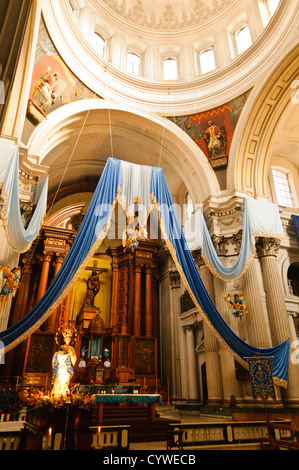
[49, 438]
[99, 433]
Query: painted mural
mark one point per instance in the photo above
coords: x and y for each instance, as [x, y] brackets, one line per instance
[213, 130]
[52, 85]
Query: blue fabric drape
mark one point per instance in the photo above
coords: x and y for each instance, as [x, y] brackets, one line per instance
[94, 228]
[260, 219]
[18, 237]
[187, 268]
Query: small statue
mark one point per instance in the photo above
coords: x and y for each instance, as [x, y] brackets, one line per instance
[107, 362]
[237, 303]
[63, 362]
[133, 233]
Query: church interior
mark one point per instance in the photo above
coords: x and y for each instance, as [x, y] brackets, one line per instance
[106, 322]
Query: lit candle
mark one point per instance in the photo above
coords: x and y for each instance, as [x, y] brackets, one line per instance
[49, 438]
[99, 432]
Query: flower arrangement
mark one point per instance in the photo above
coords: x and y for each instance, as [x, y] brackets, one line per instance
[10, 402]
[79, 400]
[232, 401]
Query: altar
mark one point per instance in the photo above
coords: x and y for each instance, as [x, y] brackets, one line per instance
[134, 398]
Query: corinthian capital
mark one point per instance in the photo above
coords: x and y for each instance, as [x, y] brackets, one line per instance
[267, 246]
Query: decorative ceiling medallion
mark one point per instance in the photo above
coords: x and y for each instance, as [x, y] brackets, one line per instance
[163, 15]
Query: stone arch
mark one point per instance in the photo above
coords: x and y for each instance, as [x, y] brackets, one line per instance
[250, 158]
[125, 134]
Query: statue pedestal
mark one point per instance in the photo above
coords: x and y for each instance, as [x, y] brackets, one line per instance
[85, 316]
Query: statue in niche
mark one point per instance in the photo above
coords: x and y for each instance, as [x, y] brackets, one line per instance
[62, 363]
[216, 140]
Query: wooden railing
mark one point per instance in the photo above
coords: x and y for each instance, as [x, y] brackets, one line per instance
[280, 436]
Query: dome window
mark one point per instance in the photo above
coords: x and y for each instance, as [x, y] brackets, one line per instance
[243, 39]
[99, 44]
[207, 61]
[133, 63]
[170, 69]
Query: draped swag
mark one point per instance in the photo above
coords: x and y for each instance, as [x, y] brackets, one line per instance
[261, 219]
[19, 238]
[149, 188]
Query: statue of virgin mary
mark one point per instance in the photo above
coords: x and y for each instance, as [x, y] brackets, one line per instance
[62, 363]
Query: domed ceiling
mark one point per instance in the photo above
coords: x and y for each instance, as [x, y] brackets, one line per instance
[163, 15]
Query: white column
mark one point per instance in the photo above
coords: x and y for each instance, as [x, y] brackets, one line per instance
[16, 113]
[267, 249]
[191, 365]
[229, 380]
[212, 357]
[257, 324]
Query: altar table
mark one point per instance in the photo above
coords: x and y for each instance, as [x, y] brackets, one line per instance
[109, 398]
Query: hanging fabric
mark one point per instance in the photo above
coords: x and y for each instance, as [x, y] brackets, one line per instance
[93, 231]
[19, 238]
[261, 219]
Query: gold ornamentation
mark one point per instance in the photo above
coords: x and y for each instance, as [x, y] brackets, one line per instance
[237, 304]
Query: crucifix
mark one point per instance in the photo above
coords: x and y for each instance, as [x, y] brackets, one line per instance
[93, 284]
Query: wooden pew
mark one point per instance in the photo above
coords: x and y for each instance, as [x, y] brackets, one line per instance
[275, 441]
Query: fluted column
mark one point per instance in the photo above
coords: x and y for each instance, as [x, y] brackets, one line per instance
[191, 365]
[148, 302]
[177, 351]
[20, 307]
[137, 305]
[114, 289]
[257, 324]
[52, 322]
[44, 274]
[229, 380]
[267, 249]
[212, 357]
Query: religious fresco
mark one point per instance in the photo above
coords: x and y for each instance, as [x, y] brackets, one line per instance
[213, 130]
[52, 85]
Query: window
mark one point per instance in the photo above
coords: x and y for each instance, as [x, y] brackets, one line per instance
[133, 63]
[170, 70]
[272, 5]
[282, 188]
[267, 9]
[265, 15]
[207, 61]
[243, 39]
[99, 44]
